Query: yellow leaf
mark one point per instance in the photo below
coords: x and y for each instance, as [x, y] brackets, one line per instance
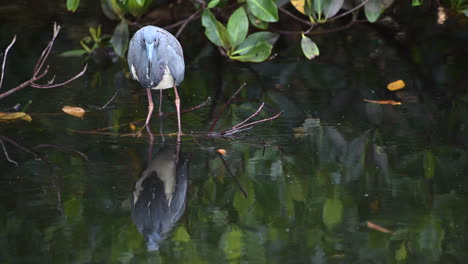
[74, 111]
[132, 126]
[396, 85]
[390, 102]
[27, 117]
[4, 117]
[299, 5]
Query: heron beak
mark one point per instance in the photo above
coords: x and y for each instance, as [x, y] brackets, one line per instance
[149, 50]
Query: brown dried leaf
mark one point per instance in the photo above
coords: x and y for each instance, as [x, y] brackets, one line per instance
[396, 85]
[390, 102]
[74, 111]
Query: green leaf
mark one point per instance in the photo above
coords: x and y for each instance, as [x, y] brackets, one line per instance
[332, 212]
[332, 7]
[255, 39]
[429, 164]
[140, 2]
[416, 2]
[256, 22]
[431, 237]
[213, 3]
[309, 48]
[72, 5]
[259, 53]
[120, 38]
[373, 9]
[232, 244]
[265, 10]
[401, 254]
[72, 208]
[237, 27]
[214, 30]
[73, 53]
[318, 7]
[137, 9]
[464, 11]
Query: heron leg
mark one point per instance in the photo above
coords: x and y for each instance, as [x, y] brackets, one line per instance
[160, 103]
[177, 103]
[150, 106]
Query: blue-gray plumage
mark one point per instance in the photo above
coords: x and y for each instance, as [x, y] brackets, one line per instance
[156, 61]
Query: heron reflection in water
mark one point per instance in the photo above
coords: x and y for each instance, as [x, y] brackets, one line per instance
[160, 195]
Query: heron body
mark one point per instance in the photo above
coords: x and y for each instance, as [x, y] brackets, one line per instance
[156, 61]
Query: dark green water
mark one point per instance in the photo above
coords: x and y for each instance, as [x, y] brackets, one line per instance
[314, 177]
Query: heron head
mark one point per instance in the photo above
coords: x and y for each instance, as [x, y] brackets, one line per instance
[150, 41]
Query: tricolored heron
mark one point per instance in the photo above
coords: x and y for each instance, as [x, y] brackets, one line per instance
[156, 61]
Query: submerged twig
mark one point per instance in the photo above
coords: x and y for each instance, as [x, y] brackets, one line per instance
[225, 106]
[6, 154]
[79, 153]
[232, 175]
[35, 154]
[4, 59]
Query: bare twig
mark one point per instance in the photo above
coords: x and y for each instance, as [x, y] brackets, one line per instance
[349, 11]
[239, 128]
[225, 106]
[63, 83]
[176, 24]
[190, 18]
[250, 117]
[37, 75]
[108, 102]
[4, 59]
[190, 109]
[295, 17]
[6, 154]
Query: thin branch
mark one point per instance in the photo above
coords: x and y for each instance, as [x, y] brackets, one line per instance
[38, 67]
[225, 106]
[250, 117]
[349, 11]
[190, 109]
[46, 51]
[6, 154]
[295, 17]
[190, 18]
[4, 59]
[108, 102]
[176, 24]
[34, 85]
[238, 129]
